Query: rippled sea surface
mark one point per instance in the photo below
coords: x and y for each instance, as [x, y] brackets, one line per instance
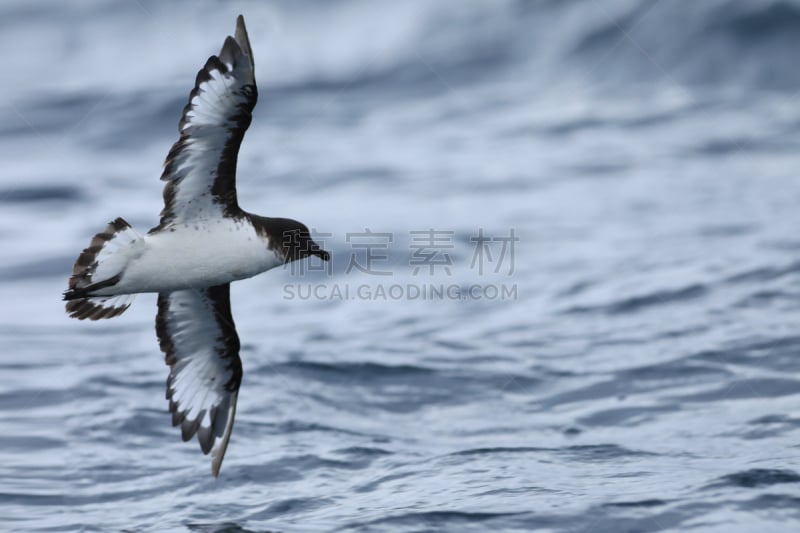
[642, 373]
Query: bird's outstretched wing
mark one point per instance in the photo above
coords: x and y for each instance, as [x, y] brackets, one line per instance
[200, 169]
[197, 335]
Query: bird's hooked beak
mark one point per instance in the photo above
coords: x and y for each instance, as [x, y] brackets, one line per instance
[315, 249]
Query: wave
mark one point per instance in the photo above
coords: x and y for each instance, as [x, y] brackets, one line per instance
[757, 477]
[428, 47]
[432, 520]
[43, 193]
[637, 303]
[748, 44]
[588, 452]
[445, 44]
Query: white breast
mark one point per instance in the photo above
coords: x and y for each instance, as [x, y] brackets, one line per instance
[198, 255]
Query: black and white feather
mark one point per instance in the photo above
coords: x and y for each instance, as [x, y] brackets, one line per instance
[202, 243]
[201, 166]
[99, 266]
[197, 335]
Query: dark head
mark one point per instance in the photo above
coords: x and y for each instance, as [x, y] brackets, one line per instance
[293, 240]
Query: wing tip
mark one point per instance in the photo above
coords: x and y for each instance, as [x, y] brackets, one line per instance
[242, 39]
[219, 450]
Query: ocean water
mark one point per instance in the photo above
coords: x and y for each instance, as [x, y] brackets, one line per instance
[565, 286]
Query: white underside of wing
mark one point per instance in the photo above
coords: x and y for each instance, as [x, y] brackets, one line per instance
[214, 103]
[201, 166]
[207, 124]
[202, 350]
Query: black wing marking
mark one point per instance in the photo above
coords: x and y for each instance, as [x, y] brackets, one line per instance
[197, 335]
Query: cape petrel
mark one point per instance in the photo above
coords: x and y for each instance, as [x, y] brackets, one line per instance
[203, 242]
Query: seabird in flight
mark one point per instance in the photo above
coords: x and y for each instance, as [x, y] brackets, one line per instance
[203, 242]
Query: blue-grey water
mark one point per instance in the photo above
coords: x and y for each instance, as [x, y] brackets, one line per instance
[633, 367]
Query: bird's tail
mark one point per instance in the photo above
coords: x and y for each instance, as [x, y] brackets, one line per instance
[97, 270]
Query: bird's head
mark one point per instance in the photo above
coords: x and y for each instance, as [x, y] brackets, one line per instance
[293, 240]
